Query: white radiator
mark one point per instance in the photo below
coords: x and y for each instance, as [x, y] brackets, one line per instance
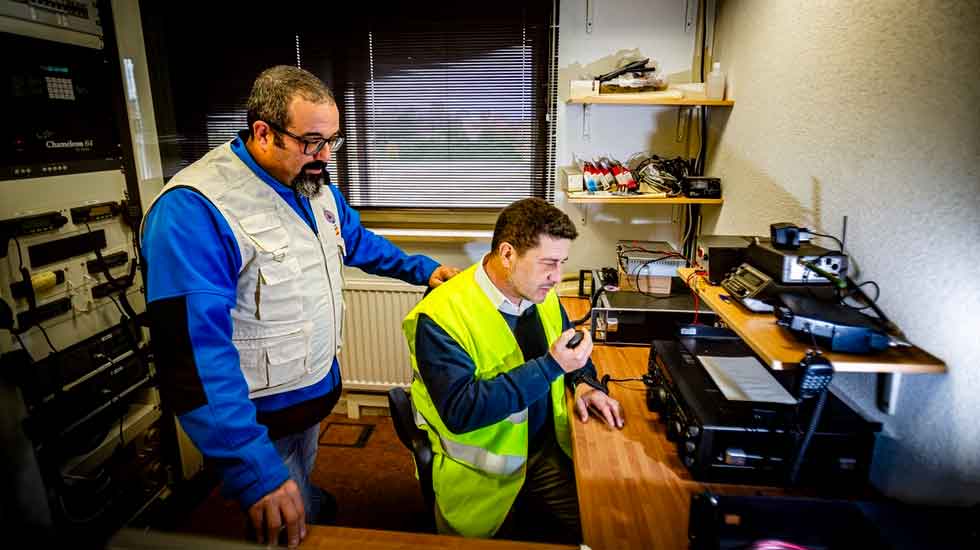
[374, 355]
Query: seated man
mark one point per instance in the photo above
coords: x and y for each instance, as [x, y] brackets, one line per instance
[490, 353]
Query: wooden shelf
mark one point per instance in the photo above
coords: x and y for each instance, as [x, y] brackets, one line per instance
[777, 348]
[638, 200]
[638, 99]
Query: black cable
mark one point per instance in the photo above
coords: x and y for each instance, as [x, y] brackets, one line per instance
[873, 304]
[122, 416]
[606, 379]
[595, 300]
[840, 245]
[47, 338]
[118, 284]
[126, 311]
[702, 140]
[121, 312]
[645, 265]
[20, 255]
[814, 419]
[31, 297]
[25, 275]
[853, 292]
[23, 347]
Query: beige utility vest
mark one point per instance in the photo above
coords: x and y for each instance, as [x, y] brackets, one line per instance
[288, 317]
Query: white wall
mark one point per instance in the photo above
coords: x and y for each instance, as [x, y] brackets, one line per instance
[870, 110]
[653, 29]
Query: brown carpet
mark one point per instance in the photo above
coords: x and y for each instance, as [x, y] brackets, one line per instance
[362, 463]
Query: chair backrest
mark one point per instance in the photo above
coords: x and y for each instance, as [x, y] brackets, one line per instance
[414, 439]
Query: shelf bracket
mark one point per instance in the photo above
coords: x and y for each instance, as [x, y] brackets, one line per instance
[588, 15]
[586, 121]
[887, 386]
[584, 212]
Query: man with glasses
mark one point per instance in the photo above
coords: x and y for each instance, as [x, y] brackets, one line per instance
[244, 251]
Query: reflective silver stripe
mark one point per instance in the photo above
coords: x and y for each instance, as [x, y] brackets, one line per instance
[518, 417]
[483, 459]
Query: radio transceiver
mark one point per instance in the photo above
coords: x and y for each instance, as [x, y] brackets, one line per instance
[786, 267]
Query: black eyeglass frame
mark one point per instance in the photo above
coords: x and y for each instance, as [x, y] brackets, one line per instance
[336, 141]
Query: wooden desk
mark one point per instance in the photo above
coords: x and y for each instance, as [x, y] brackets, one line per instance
[633, 490]
[372, 539]
[322, 537]
[780, 350]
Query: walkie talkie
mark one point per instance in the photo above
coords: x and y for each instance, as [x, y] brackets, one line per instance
[815, 376]
[575, 340]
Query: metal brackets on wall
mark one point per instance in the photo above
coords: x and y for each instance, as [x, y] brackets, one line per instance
[586, 121]
[588, 15]
[887, 386]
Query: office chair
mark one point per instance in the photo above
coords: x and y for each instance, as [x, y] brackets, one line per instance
[416, 441]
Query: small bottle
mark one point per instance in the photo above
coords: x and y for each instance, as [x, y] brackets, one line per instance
[714, 84]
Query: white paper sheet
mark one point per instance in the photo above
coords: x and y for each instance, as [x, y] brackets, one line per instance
[745, 379]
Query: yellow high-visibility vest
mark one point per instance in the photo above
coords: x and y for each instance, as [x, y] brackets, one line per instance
[476, 475]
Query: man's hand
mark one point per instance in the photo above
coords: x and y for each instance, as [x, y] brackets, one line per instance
[574, 358]
[442, 274]
[606, 408]
[283, 506]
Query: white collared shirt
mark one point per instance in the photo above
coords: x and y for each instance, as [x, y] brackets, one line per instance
[496, 296]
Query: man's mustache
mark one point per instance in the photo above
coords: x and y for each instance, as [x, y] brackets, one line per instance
[315, 165]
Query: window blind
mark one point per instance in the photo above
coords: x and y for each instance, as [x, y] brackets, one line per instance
[442, 105]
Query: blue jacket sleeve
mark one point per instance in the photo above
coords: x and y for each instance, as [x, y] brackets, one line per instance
[225, 429]
[588, 370]
[193, 260]
[375, 254]
[465, 403]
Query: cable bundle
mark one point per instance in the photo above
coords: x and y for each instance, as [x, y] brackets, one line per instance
[660, 175]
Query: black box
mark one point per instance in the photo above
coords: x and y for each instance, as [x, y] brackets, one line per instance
[719, 254]
[632, 318]
[750, 442]
[701, 187]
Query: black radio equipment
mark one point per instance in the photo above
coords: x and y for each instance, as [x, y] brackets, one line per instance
[745, 441]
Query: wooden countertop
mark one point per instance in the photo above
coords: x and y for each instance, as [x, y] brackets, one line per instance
[777, 348]
[633, 490]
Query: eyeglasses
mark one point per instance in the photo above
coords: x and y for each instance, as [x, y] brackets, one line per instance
[311, 146]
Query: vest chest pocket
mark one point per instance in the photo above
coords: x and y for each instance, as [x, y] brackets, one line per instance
[266, 231]
[273, 361]
[277, 295]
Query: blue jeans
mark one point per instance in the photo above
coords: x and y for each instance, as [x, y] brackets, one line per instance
[298, 452]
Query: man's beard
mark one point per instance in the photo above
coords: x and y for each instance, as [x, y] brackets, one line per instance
[310, 185]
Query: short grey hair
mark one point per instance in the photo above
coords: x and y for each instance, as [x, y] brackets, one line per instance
[276, 87]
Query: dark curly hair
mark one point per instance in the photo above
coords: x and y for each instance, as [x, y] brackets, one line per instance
[523, 222]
